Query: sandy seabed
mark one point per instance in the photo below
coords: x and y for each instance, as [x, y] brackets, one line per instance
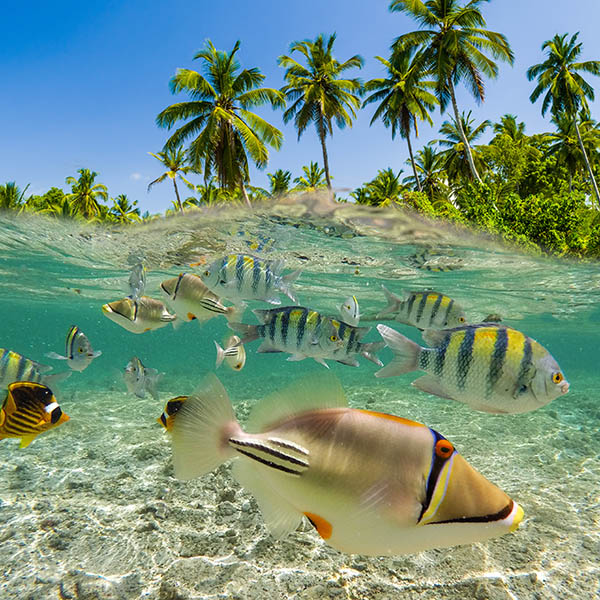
[91, 511]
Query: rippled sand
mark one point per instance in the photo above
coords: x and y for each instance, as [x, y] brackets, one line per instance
[92, 511]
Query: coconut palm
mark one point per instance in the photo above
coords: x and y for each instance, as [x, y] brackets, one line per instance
[61, 208]
[316, 91]
[430, 166]
[279, 182]
[123, 211]
[85, 194]
[403, 95]
[11, 196]
[385, 188]
[564, 89]
[312, 179]
[455, 44]
[454, 155]
[509, 126]
[175, 162]
[222, 129]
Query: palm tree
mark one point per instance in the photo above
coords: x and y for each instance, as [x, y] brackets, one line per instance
[11, 196]
[317, 92]
[175, 162]
[385, 188]
[430, 166]
[566, 91]
[312, 180]
[279, 182]
[509, 126]
[222, 128]
[454, 156]
[455, 44]
[85, 193]
[404, 97]
[124, 211]
[61, 208]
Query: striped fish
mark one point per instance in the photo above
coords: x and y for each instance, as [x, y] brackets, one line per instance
[15, 367]
[234, 353]
[79, 352]
[240, 277]
[370, 483]
[488, 366]
[28, 410]
[352, 346]
[171, 409]
[299, 331]
[425, 310]
[138, 316]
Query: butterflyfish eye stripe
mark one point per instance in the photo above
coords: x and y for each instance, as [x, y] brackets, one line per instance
[440, 356]
[436, 307]
[56, 414]
[301, 327]
[498, 357]
[421, 306]
[465, 356]
[448, 310]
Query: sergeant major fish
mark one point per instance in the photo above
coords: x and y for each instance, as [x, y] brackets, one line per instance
[191, 299]
[370, 483]
[140, 379]
[138, 316]
[352, 346]
[171, 409]
[424, 310]
[28, 410]
[240, 277]
[490, 367]
[79, 352]
[299, 331]
[15, 367]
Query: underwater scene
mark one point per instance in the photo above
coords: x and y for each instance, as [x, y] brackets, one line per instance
[148, 453]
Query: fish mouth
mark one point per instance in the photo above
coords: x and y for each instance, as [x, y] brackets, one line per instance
[106, 308]
[512, 509]
[564, 387]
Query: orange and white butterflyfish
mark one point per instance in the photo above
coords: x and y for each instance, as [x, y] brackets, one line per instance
[138, 316]
[28, 410]
[171, 409]
[192, 300]
[370, 483]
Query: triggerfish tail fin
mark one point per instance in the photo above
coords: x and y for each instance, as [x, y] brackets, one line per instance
[286, 284]
[369, 351]
[202, 429]
[248, 333]
[393, 303]
[406, 353]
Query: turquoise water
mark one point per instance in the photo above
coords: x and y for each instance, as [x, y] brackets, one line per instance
[92, 510]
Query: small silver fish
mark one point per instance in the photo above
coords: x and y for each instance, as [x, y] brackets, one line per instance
[79, 352]
[139, 316]
[234, 353]
[139, 379]
[137, 281]
[349, 311]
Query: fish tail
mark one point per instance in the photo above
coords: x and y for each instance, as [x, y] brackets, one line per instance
[202, 429]
[153, 384]
[406, 353]
[393, 303]
[286, 284]
[52, 380]
[369, 351]
[248, 333]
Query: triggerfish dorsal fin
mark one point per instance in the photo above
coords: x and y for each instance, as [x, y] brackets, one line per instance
[313, 392]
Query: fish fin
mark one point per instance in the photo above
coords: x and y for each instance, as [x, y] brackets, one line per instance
[152, 378]
[248, 333]
[235, 312]
[431, 385]
[220, 355]
[406, 353]
[56, 356]
[351, 362]
[285, 285]
[316, 391]
[273, 300]
[203, 425]
[393, 303]
[280, 517]
[52, 380]
[296, 357]
[360, 332]
[266, 347]
[369, 351]
[277, 265]
[321, 361]
[433, 337]
[263, 315]
[177, 323]
[26, 440]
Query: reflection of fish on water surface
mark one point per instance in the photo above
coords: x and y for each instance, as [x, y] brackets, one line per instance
[435, 260]
[339, 467]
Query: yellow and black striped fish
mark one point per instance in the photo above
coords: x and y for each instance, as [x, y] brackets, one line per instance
[488, 366]
[425, 310]
[15, 367]
[171, 409]
[28, 410]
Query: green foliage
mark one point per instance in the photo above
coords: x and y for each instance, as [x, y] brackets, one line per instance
[311, 180]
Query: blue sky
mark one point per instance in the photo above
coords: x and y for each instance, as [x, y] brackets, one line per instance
[82, 82]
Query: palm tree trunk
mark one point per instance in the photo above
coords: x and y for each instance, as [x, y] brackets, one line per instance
[587, 163]
[412, 162]
[177, 194]
[325, 157]
[245, 194]
[462, 133]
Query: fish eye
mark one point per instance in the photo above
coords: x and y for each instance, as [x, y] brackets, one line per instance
[461, 319]
[443, 449]
[206, 273]
[557, 377]
[333, 338]
[80, 350]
